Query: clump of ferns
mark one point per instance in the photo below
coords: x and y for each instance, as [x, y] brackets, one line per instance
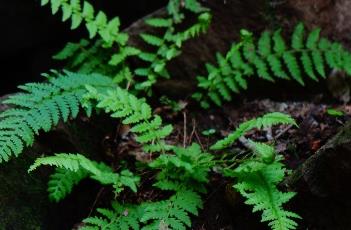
[270, 57]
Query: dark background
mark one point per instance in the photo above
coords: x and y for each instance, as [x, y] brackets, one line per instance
[30, 35]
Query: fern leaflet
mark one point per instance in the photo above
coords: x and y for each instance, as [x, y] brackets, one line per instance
[265, 121]
[123, 217]
[172, 213]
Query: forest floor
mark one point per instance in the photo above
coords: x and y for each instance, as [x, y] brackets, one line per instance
[224, 209]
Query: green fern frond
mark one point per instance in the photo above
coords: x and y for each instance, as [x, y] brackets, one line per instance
[265, 121]
[123, 217]
[40, 107]
[257, 182]
[80, 167]
[270, 57]
[167, 47]
[172, 213]
[135, 112]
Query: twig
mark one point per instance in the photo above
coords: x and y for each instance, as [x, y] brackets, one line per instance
[283, 131]
[192, 132]
[95, 201]
[185, 130]
[199, 140]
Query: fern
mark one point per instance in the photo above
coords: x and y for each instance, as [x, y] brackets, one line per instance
[191, 163]
[78, 167]
[96, 24]
[123, 217]
[172, 213]
[134, 112]
[258, 181]
[174, 8]
[270, 57]
[168, 47]
[88, 60]
[40, 107]
[265, 121]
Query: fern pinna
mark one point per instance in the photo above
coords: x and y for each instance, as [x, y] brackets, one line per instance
[168, 47]
[271, 57]
[135, 112]
[72, 168]
[41, 106]
[265, 121]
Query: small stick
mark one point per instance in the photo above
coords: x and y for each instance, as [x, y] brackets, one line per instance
[96, 200]
[185, 130]
[193, 131]
[283, 131]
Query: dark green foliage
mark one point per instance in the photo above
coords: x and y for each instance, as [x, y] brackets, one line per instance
[265, 121]
[268, 58]
[135, 112]
[258, 181]
[172, 213]
[100, 56]
[121, 217]
[62, 182]
[77, 167]
[40, 106]
[85, 57]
